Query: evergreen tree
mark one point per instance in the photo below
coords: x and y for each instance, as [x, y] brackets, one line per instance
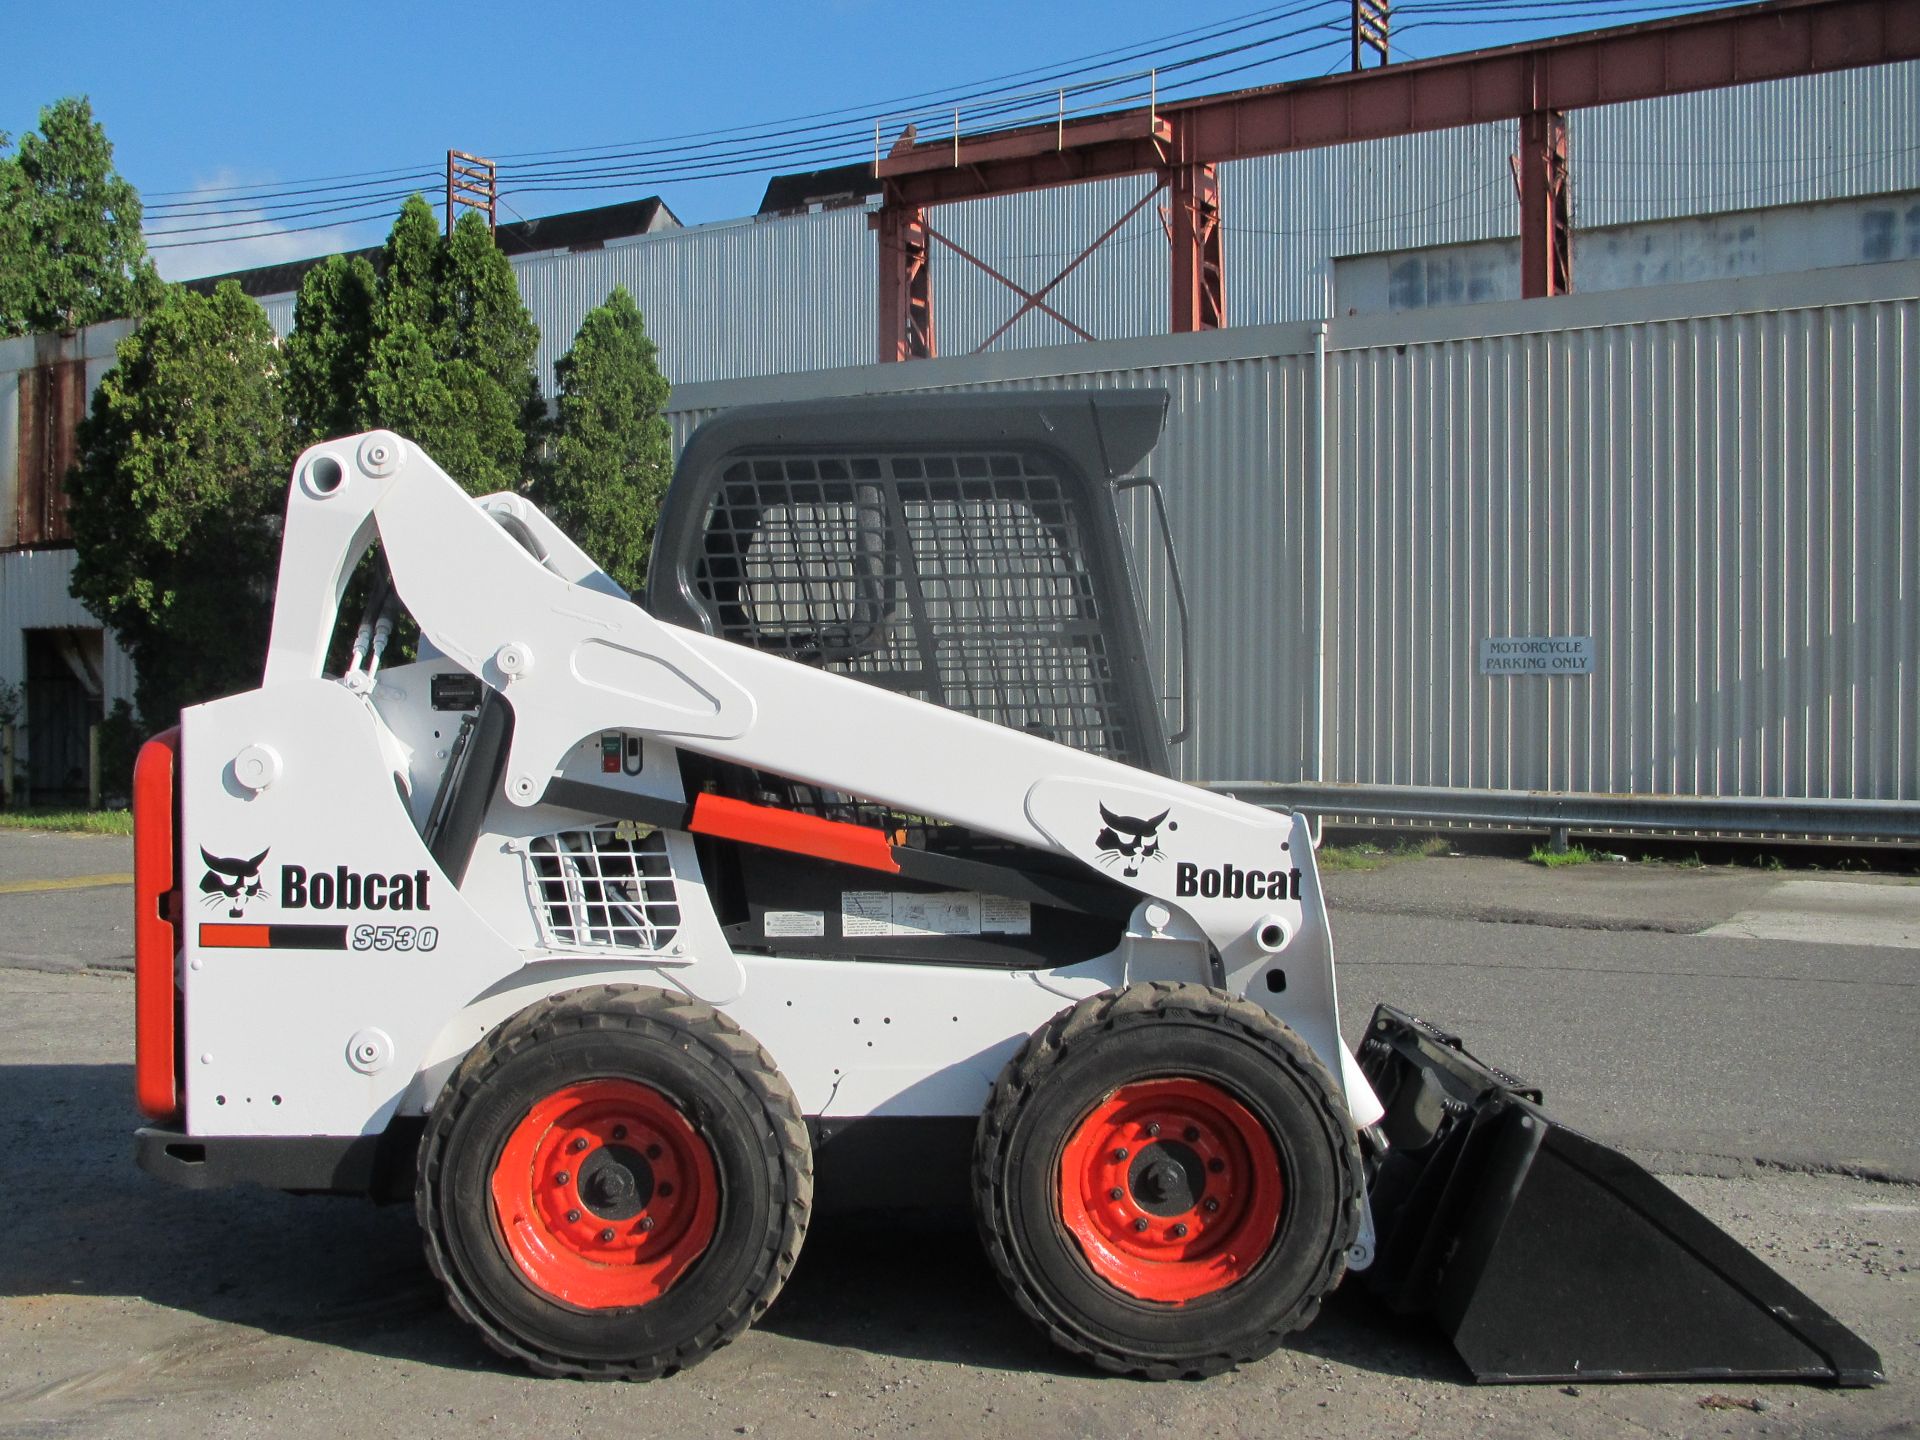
[182, 477]
[327, 353]
[71, 250]
[449, 362]
[612, 454]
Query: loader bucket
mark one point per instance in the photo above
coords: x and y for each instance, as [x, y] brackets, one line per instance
[1546, 1256]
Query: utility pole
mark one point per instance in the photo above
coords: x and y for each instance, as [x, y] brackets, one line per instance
[1369, 30]
[471, 182]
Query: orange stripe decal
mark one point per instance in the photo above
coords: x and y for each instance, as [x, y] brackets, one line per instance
[154, 1087]
[235, 937]
[777, 829]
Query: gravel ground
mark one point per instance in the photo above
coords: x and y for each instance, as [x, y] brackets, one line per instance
[133, 1309]
[128, 1308]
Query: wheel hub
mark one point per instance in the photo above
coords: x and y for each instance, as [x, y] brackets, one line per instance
[1167, 1178]
[1172, 1189]
[606, 1194]
[616, 1182]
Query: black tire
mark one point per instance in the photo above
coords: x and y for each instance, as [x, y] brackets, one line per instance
[733, 1099]
[1050, 1091]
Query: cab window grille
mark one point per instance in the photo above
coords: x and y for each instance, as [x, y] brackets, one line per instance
[961, 578]
[605, 888]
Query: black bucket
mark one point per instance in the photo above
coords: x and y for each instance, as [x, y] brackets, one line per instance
[1546, 1256]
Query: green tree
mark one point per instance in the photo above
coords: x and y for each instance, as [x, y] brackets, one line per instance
[450, 356]
[327, 353]
[182, 476]
[611, 455]
[71, 249]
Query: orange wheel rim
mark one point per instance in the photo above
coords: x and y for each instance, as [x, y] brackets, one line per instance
[605, 1194]
[1171, 1189]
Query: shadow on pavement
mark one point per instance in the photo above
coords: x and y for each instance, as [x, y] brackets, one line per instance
[343, 1272]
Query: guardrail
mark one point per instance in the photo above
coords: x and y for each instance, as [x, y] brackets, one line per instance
[1559, 812]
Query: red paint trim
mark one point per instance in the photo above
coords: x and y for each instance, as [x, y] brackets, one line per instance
[155, 1081]
[835, 840]
[1232, 1178]
[236, 937]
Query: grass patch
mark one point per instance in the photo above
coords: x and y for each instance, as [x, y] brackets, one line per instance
[1554, 859]
[69, 822]
[1368, 856]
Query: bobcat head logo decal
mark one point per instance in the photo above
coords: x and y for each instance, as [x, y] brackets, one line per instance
[1129, 841]
[231, 882]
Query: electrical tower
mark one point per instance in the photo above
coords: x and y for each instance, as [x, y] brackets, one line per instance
[1369, 30]
[471, 182]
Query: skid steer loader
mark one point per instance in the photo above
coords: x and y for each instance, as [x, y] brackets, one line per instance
[616, 935]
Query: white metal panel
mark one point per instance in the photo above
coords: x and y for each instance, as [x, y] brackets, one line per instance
[279, 310]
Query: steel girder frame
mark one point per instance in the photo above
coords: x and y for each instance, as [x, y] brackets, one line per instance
[1533, 84]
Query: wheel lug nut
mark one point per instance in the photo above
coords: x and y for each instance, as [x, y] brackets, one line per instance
[573, 1217]
[666, 1189]
[619, 1132]
[1115, 1193]
[1139, 1224]
[1121, 1153]
[647, 1223]
[1193, 1133]
[1216, 1165]
[578, 1145]
[1179, 1232]
[1212, 1205]
[653, 1152]
[606, 1236]
[562, 1178]
[1153, 1127]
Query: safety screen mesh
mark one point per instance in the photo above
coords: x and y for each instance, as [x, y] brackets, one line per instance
[610, 888]
[961, 578]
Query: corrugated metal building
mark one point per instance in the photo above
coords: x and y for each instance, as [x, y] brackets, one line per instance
[1308, 234]
[1718, 482]
[1499, 469]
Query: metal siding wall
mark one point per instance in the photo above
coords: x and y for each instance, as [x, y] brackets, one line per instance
[33, 596]
[1288, 216]
[723, 300]
[9, 458]
[1122, 289]
[279, 310]
[1727, 504]
[1784, 142]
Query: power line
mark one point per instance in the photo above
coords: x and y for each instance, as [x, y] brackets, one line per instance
[236, 197]
[992, 85]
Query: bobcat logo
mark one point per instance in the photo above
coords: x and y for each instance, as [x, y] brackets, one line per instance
[231, 882]
[1128, 840]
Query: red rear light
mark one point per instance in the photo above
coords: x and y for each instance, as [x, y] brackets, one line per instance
[154, 1084]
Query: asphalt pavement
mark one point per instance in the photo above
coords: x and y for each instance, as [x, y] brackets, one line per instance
[1720, 1024]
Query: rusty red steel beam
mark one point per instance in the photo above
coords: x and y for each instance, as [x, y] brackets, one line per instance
[1775, 40]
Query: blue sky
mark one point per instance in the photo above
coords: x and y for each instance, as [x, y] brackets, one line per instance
[269, 94]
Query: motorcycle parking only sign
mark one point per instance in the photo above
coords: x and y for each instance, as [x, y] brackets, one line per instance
[1536, 655]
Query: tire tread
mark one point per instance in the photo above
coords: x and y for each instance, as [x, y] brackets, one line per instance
[673, 1019]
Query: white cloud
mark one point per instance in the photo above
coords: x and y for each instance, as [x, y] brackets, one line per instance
[267, 240]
